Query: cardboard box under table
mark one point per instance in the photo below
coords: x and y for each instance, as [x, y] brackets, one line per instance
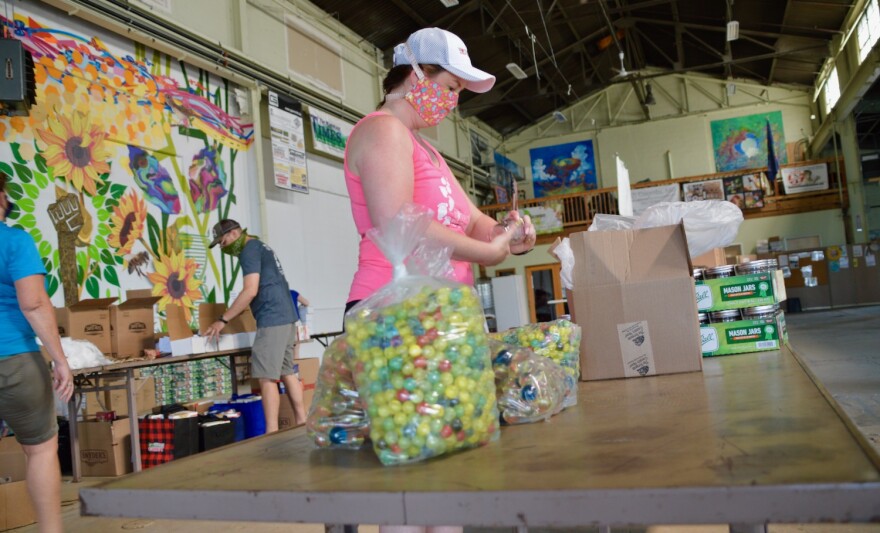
[132, 324]
[105, 447]
[307, 370]
[15, 503]
[87, 320]
[633, 297]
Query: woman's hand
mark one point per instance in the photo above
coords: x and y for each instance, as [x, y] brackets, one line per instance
[524, 236]
[62, 379]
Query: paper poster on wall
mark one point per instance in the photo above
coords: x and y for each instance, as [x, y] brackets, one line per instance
[733, 191]
[547, 218]
[645, 197]
[507, 171]
[327, 134]
[288, 143]
[703, 190]
[805, 178]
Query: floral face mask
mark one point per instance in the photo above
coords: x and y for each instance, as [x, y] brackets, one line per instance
[235, 247]
[431, 100]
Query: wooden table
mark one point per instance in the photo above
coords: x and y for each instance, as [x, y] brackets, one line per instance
[750, 440]
[87, 380]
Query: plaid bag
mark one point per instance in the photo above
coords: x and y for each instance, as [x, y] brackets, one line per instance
[163, 440]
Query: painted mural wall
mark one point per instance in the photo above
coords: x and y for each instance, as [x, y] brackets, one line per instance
[124, 164]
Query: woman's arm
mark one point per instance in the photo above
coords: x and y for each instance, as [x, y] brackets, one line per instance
[37, 309]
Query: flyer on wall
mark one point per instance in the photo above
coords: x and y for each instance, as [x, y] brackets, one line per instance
[288, 143]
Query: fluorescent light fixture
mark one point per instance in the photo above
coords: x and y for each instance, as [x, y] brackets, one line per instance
[731, 89]
[558, 116]
[449, 3]
[732, 30]
[517, 72]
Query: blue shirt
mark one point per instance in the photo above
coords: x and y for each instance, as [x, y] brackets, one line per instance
[273, 305]
[18, 259]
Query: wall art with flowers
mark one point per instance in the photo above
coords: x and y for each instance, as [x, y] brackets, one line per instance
[124, 164]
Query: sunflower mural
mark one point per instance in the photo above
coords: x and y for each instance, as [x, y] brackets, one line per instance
[141, 151]
[174, 280]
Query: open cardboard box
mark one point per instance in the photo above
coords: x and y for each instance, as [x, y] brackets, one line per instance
[87, 320]
[132, 323]
[632, 296]
[239, 333]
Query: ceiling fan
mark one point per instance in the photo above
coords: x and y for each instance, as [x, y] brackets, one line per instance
[622, 72]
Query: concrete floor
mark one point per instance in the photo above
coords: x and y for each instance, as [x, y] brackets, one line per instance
[839, 347]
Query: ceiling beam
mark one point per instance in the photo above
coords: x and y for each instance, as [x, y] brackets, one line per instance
[650, 41]
[411, 13]
[679, 30]
[775, 59]
[723, 29]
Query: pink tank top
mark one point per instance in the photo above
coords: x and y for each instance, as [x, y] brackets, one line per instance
[434, 187]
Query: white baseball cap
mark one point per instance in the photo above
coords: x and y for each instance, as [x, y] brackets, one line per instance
[433, 46]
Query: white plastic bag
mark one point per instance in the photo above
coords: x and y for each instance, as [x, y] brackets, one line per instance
[82, 354]
[708, 223]
[603, 222]
[562, 252]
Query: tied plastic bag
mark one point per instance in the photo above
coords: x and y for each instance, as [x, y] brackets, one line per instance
[529, 388]
[337, 418]
[708, 223]
[558, 340]
[420, 354]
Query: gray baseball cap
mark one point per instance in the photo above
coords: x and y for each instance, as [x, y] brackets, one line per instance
[222, 228]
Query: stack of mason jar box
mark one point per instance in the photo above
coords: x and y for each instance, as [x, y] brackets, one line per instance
[738, 307]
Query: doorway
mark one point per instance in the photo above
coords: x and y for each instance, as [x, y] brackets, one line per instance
[546, 296]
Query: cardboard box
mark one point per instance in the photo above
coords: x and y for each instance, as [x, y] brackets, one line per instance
[713, 258]
[16, 509]
[13, 464]
[210, 313]
[239, 333]
[632, 297]
[736, 292]
[87, 320]
[117, 400]
[307, 370]
[743, 336]
[105, 447]
[132, 325]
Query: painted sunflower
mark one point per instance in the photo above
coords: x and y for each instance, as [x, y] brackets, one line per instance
[127, 223]
[75, 150]
[174, 280]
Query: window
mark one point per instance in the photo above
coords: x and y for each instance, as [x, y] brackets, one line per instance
[868, 29]
[832, 90]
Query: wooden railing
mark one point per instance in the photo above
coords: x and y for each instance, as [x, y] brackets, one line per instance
[578, 209]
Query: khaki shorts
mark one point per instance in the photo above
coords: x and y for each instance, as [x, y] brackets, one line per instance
[27, 402]
[272, 354]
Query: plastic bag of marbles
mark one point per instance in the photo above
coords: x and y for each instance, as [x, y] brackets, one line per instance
[528, 387]
[558, 340]
[337, 418]
[420, 353]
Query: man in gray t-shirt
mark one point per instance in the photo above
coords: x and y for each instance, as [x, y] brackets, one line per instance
[268, 294]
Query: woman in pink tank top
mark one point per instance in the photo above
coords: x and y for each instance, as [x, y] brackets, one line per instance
[387, 163]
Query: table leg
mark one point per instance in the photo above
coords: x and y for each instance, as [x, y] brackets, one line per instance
[133, 421]
[748, 528]
[74, 437]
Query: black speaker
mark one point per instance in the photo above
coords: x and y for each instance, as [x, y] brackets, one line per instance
[18, 88]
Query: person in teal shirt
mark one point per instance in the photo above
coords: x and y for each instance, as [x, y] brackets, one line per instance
[26, 400]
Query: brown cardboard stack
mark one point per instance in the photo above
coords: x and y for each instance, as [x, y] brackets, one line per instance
[15, 504]
[634, 298]
[87, 320]
[105, 447]
[132, 324]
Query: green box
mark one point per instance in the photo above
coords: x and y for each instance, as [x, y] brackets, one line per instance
[736, 292]
[743, 336]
